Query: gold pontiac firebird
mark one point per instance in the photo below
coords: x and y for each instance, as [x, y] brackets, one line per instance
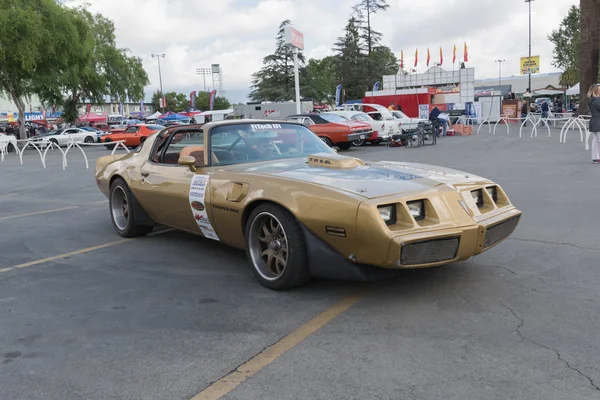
[298, 208]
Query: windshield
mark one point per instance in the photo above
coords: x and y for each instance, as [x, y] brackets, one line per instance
[333, 118]
[362, 117]
[399, 114]
[243, 143]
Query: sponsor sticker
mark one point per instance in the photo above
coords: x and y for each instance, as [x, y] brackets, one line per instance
[263, 127]
[197, 204]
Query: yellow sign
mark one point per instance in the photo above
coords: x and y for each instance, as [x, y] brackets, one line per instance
[530, 65]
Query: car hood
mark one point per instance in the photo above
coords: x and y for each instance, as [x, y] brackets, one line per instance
[366, 179]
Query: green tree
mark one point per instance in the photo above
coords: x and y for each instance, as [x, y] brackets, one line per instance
[383, 62]
[103, 70]
[364, 11]
[175, 102]
[350, 62]
[320, 79]
[567, 45]
[38, 40]
[202, 102]
[275, 80]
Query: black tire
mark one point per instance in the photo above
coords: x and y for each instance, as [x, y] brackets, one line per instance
[54, 141]
[344, 145]
[109, 146]
[142, 139]
[326, 140]
[88, 139]
[124, 208]
[290, 241]
[358, 142]
[10, 147]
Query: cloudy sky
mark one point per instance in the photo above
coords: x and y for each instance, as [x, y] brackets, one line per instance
[237, 34]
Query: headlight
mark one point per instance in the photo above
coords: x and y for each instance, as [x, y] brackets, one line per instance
[416, 209]
[478, 197]
[388, 213]
[493, 192]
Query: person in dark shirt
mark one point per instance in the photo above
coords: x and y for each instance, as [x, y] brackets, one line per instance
[524, 111]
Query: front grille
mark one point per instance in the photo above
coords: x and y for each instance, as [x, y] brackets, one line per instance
[430, 251]
[500, 231]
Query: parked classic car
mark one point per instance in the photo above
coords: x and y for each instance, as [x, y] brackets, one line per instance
[382, 130]
[333, 129]
[133, 135]
[298, 208]
[62, 137]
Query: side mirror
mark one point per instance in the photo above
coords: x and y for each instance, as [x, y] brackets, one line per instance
[188, 161]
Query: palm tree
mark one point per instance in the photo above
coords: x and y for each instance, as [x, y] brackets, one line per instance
[569, 77]
[589, 55]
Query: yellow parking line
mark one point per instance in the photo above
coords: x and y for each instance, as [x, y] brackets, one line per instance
[76, 252]
[230, 381]
[38, 212]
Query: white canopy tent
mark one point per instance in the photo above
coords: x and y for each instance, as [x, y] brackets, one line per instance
[154, 116]
[574, 91]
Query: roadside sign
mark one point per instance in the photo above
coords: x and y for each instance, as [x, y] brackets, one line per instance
[294, 37]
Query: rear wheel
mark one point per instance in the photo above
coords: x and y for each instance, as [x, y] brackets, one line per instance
[276, 248]
[123, 209]
[344, 145]
[327, 141]
[89, 139]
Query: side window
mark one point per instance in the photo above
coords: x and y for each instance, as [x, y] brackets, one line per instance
[132, 129]
[180, 143]
[308, 122]
[70, 131]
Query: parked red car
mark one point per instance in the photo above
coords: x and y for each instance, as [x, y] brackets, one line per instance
[333, 129]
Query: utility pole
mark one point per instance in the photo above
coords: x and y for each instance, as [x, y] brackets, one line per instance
[499, 71]
[204, 72]
[529, 1]
[158, 56]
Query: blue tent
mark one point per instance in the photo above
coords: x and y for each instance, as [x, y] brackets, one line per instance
[174, 117]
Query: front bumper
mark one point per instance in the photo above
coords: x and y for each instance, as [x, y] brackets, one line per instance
[358, 136]
[435, 248]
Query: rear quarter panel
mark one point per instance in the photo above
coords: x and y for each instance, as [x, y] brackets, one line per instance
[336, 133]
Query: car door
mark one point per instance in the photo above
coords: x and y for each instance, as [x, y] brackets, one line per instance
[165, 187]
[131, 136]
[66, 136]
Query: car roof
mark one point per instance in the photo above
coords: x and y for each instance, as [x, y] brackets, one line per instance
[210, 125]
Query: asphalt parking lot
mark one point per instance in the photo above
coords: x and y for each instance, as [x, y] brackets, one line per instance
[85, 314]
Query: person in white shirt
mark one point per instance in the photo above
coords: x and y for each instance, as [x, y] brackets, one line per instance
[445, 121]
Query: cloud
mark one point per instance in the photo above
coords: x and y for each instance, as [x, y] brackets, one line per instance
[237, 34]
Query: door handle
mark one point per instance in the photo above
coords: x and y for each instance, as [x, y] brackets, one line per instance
[145, 173]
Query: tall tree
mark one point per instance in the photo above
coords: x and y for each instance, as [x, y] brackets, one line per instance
[38, 40]
[175, 102]
[383, 62]
[275, 80]
[350, 61]
[365, 10]
[567, 45]
[589, 55]
[320, 79]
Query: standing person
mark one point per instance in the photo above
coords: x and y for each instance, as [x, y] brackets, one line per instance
[392, 106]
[524, 110]
[545, 109]
[594, 104]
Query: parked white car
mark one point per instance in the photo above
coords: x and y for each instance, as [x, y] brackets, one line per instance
[7, 142]
[406, 122]
[382, 130]
[62, 137]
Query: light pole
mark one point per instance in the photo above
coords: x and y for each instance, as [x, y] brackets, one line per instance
[500, 71]
[529, 1]
[204, 72]
[162, 94]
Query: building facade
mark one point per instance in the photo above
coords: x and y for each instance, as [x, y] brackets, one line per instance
[520, 83]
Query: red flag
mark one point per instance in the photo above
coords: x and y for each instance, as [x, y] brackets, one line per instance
[466, 58]
[416, 57]
[454, 55]
[428, 56]
[441, 56]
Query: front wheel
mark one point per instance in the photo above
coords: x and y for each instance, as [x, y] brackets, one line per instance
[10, 147]
[108, 144]
[276, 248]
[344, 145]
[358, 142]
[123, 209]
